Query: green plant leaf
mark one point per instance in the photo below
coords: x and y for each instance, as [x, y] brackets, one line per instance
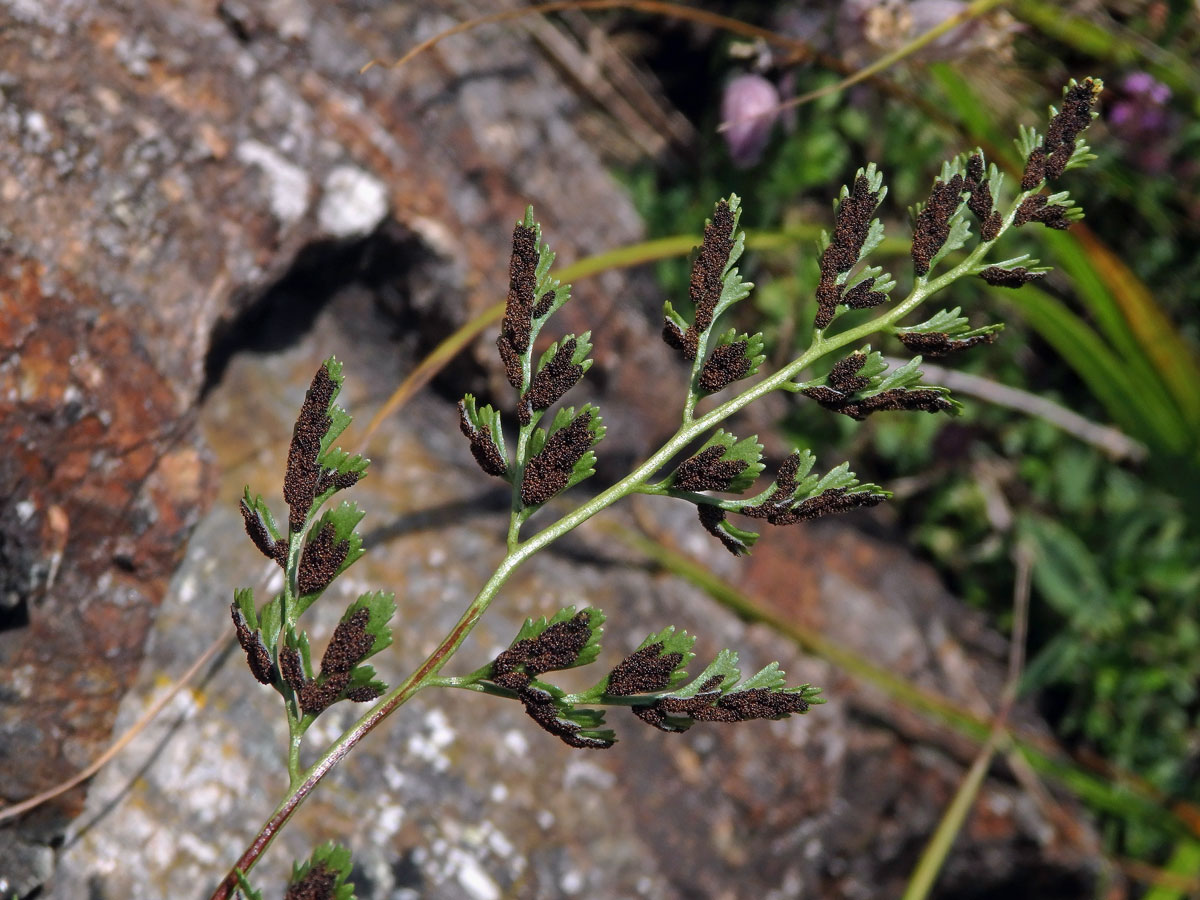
[552, 478]
[799, 494]
[733, 357]
[535, 628]
[558, 370]
[339, 419]
[343, 519]
[380, 606]
[1027, 141]
[667, 643]
[716, 695]
[1065, 573]
[270, 621]
[715, 286]
[327, 860]
[674, 317]
[584, 725]
[770, 677]
[747, 451]
[364, 677]
[485, 429]
[880, 280]
[583, 347]
[244, 598]
[298, 641]
[738, 541]
[724, 668]
[545, 282]
[259, 506]
[842, 265]
[949, 322]
[245, 887]
[879, 380]
[960, 233]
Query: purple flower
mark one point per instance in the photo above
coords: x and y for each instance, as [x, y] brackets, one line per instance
[1144, 84]
[1139, 116]
[749, 110]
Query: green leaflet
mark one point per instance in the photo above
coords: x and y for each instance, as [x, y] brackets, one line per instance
[245, 887]
[336, 459]
[671, 642]
[950, 323]
[259, 506]
[381, 606]
[535, 628]
[546, 257]
[343, 519]
[747, 450]
[328, 859]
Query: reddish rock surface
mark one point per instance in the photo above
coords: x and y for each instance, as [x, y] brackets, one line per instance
[161, 165]
[185, 181]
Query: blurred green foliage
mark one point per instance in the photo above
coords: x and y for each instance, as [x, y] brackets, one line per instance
[1115, 640]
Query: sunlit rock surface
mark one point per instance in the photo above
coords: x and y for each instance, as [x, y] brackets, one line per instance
[461, 795]
[187, 186]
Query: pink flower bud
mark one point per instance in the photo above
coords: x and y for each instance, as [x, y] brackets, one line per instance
[749, 110]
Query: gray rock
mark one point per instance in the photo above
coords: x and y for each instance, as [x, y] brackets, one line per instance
[161, 167]
[460, 795]
[188, 182]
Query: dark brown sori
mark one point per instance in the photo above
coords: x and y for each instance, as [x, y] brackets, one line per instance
[832, 500]
[844, 375]
[935, 344]
[544, 304]
[706, 284]
[850, 229]
[725, 365]
[291, 668]
[980, 200]
[339, 480]
[1059, 143]
[709, 705]
[706, 471]
[551, 382]
[643, 671]
[322, 557]
[1036, 209]
[785, 478]
[483, 448]
[1009, 278]
[303, 468]
[550, 469]
[257, 655]
[918, 399]
[861, 296]
[517, 326]
[711, 518]
[839, 399]
[349, 644]
[317, 884]
[257, 529]
[933, 222]
[540, 707]
[557, 647]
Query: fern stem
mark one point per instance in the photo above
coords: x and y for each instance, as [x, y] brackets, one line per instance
[518, 552]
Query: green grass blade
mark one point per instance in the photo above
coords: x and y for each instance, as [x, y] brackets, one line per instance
[1184, 863]
[933, 858]
[1101, 370]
